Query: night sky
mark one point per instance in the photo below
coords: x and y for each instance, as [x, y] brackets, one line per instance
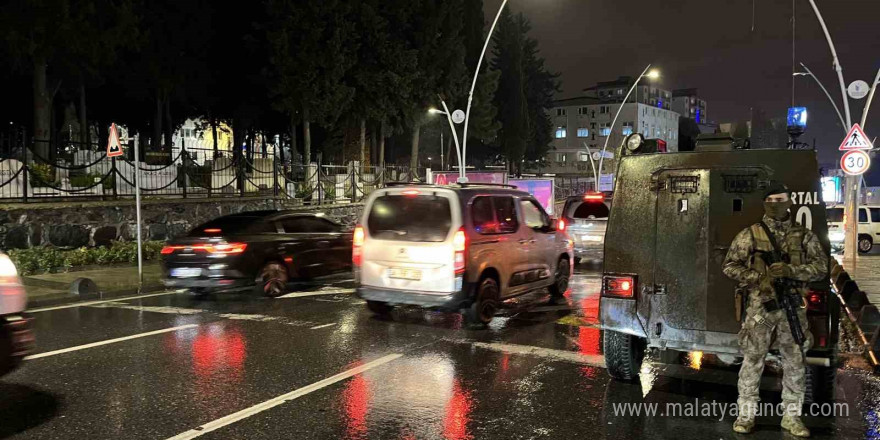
[710, 45]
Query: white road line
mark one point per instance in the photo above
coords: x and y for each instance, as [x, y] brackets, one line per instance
[317, 292]
[322, 326]
[91, 303]
[563, 355]
[271, 403]
[155, 309]
[109, 341]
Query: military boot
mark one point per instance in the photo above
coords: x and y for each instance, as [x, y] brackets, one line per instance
[795, 426]
[744, 424]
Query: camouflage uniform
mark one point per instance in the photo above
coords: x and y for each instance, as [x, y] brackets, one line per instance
[759, 326]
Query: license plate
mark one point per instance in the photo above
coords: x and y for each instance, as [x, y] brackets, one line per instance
[186, 272]
[405, 274]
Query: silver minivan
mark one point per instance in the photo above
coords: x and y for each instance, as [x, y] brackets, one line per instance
[457, 248]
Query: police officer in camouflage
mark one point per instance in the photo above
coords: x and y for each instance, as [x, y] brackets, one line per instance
[765, 323]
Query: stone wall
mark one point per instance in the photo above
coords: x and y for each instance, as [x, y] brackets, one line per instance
[71, 225]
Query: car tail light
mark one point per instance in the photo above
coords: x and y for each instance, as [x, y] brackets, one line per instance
[357, 241]
[817, 301]
[212, 230]
[411, 192]
[168, 250]
[225, 248]
[560, 225]
[594, 197]
[459, 245]
[619, 286]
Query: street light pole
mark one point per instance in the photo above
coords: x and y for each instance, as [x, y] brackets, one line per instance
[613, 121]
[870, 98]
[467, 115]
[851, 190]
[446, 112]
[822, 86]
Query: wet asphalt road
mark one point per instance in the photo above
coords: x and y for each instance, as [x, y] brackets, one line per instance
[317, 365]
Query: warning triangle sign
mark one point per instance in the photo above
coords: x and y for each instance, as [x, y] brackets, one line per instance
[114, 148]
[856, 140]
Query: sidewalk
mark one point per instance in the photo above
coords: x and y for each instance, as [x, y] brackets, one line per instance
[867, 275]
[51, 288]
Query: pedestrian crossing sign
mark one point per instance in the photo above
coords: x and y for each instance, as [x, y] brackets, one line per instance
[114, 148]
[856, 140]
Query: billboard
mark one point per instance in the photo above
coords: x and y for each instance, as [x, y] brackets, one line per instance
[541, 189]
[450, 177]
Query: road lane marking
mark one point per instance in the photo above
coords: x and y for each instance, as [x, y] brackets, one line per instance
[155, 309]
[271, 403]
[322, 326]
[317, 292]
[563, 355]
[91, 303]
[109, 341]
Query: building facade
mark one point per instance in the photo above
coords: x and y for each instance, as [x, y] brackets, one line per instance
[688, 104]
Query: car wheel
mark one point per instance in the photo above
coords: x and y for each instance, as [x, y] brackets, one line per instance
[623, 355]
[379, 307]
[560, 282]
[865, 244]
[485, 304]
[272, 281]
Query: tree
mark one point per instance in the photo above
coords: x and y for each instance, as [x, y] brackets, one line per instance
[311, 48]
[57, 40]
[525, 92]
[688, 130]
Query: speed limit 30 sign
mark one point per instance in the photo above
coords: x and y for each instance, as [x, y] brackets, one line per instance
[855, 162]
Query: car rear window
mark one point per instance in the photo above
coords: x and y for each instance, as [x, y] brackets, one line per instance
[410, 218]
[586, 210]
[232, 226]
[835, 215]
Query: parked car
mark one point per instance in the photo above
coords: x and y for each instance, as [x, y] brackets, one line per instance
[16, 338]
[869, 227]
[457, 248]
[263, 249]
[586, 217]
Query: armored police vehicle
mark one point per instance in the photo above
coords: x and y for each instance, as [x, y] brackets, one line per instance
[673, 220]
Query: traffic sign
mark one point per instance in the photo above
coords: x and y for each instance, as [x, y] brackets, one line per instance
[856, 139]
[114, 148]
[858, 89]
[458, 116]
[855, 162]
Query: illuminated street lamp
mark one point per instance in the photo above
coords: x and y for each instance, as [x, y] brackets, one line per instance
[647, 73]
[448, 114]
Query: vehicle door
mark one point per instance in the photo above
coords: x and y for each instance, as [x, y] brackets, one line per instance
[303, 248]
[496, 240]
[875, 224]
[334, 239]
[864, 222]
[540, 241]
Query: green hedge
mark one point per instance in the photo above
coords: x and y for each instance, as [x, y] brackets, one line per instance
[51, 260]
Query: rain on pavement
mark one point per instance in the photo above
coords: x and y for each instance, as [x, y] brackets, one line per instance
[317, 365]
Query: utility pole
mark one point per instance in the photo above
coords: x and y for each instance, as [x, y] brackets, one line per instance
[852, 183]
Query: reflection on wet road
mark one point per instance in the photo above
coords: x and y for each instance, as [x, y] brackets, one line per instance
[316, 365]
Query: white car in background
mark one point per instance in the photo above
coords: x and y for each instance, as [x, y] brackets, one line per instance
[16, 339]
[869, 227]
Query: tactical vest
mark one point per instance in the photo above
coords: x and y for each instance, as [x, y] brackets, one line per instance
[792, 246]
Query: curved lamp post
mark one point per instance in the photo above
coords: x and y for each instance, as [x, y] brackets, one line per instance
[446, 112]
[810, 73]
[653, 74]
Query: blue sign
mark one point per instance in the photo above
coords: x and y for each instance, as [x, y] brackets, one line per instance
[797, 117]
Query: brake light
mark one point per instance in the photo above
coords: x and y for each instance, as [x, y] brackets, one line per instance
[411, 192]
[619, 286]
[817, 301]
[560, 226]
[594, 197]
[167, 250]
[357, 241]
[226, 248]
[459, 245]
[212, 230]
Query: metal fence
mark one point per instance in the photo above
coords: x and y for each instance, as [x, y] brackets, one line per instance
[79, 173]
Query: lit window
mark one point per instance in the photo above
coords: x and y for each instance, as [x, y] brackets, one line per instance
[560, 133]
[627, 128]
[606, 129]
[583, 132]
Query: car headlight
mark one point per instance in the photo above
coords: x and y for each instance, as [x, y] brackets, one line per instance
[7, 267]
